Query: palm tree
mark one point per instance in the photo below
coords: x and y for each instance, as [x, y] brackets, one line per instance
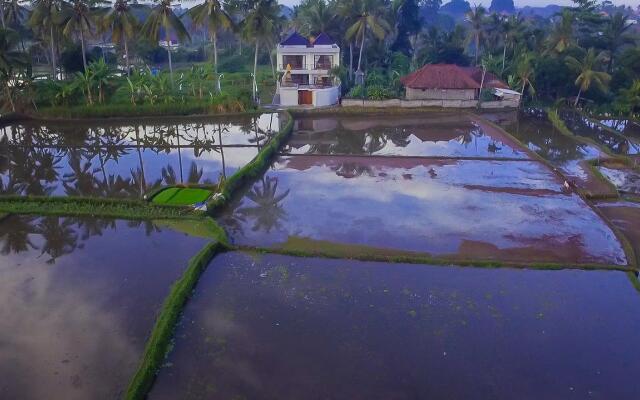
[211, 15]
[616, 35]
[512, 28]
[525, 72]
[347, 11]
[562, 34]
[122, 23]
[476, 19]
[316, 17]
[79, 20]
[161, 18]
[369, 18]
[10, 60]
[45, 16]
[588, 73]
[260, 22]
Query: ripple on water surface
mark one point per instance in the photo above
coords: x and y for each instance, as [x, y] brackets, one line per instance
[278, 327]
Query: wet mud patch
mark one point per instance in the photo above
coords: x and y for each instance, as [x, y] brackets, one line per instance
[437, 135]
[455, 209]
[272, 326]
[623, 176]
[79, 298]
[626, 216]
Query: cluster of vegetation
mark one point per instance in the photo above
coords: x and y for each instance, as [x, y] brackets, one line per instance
[587, 51]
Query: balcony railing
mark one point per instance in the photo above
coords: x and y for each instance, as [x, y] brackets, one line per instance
[311, 67]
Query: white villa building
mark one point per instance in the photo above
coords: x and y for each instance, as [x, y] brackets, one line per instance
[305, 68]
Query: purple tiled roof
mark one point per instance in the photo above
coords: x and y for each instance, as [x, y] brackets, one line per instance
[295, 39]
[323, 39]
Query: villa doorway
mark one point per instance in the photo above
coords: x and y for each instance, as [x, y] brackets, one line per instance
[305, 97]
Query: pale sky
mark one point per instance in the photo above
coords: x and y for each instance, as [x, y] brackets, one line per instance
[519, 3]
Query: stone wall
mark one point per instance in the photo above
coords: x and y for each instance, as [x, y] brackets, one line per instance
[428, 103]
[440, 94]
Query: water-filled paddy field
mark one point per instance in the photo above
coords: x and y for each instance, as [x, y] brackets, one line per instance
[357, 265]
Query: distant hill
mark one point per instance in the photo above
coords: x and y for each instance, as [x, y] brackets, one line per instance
[456, 8]
[502, 6]
[545, 12]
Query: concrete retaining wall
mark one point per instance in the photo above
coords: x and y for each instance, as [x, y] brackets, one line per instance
[428, 103]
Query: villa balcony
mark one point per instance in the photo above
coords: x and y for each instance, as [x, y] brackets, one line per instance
[319, 66]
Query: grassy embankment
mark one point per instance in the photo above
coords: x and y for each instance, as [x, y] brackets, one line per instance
[93, 207]
[159, 341]
[253, 169]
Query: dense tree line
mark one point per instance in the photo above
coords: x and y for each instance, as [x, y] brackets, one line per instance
[586, 53]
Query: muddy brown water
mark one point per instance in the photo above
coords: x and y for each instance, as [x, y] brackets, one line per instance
[78, 300]
[278, 327]
[125, 159]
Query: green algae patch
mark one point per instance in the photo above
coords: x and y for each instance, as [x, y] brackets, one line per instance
[159, 341]
[204, 228]
[181, 196]
[80, 207]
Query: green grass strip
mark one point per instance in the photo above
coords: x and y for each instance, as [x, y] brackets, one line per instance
[253, 169]
[162, 333]
[181, 196]
[107, 208]
[410, 258]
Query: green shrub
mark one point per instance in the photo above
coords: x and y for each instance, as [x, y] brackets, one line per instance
[378, 92]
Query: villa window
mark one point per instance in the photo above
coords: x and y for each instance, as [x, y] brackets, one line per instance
[294, 61]
[323, 61]
[300, 79]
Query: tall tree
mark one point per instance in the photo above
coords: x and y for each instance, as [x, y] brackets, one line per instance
[347, 12]
[122, 23]
[476, 20]
[616, 35]
[370, 18]
[525, 72]
[162, 18]
[588, 72]
[44, 18]
[79, 20]
[10, 60]
[408, 25]
[562, 34]
[211, 15]
[313, 17]
[260, 22]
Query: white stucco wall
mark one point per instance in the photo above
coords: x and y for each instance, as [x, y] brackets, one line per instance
[326, 97]
[289, 96]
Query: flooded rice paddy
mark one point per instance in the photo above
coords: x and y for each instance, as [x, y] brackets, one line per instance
[279, 327]
[453, 207]
[79, 298]
[125, 160]
[616, 143]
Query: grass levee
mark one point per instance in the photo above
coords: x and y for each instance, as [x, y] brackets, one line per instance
[160, 338]
[253, 169]
[107, 208]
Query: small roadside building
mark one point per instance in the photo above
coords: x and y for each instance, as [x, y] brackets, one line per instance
[442, 82]
[305, 69]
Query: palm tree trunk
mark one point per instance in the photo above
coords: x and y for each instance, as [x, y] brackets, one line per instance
[143, 183]
[364, 35]
[351, 61]
[273, 67]
[575, 104]
[8, 89]
[214, 39]
[254, 89]
[126, 54]
[477, 48]
[84, 56]
[168, 39]
[504, 52]
[53, 53]
[2, 16]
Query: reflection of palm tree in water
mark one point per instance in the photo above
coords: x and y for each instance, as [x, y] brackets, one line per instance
[266, 210]
[169, 174]
[59, 237]
[81, 181]
[14, 234]
[352, 170]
